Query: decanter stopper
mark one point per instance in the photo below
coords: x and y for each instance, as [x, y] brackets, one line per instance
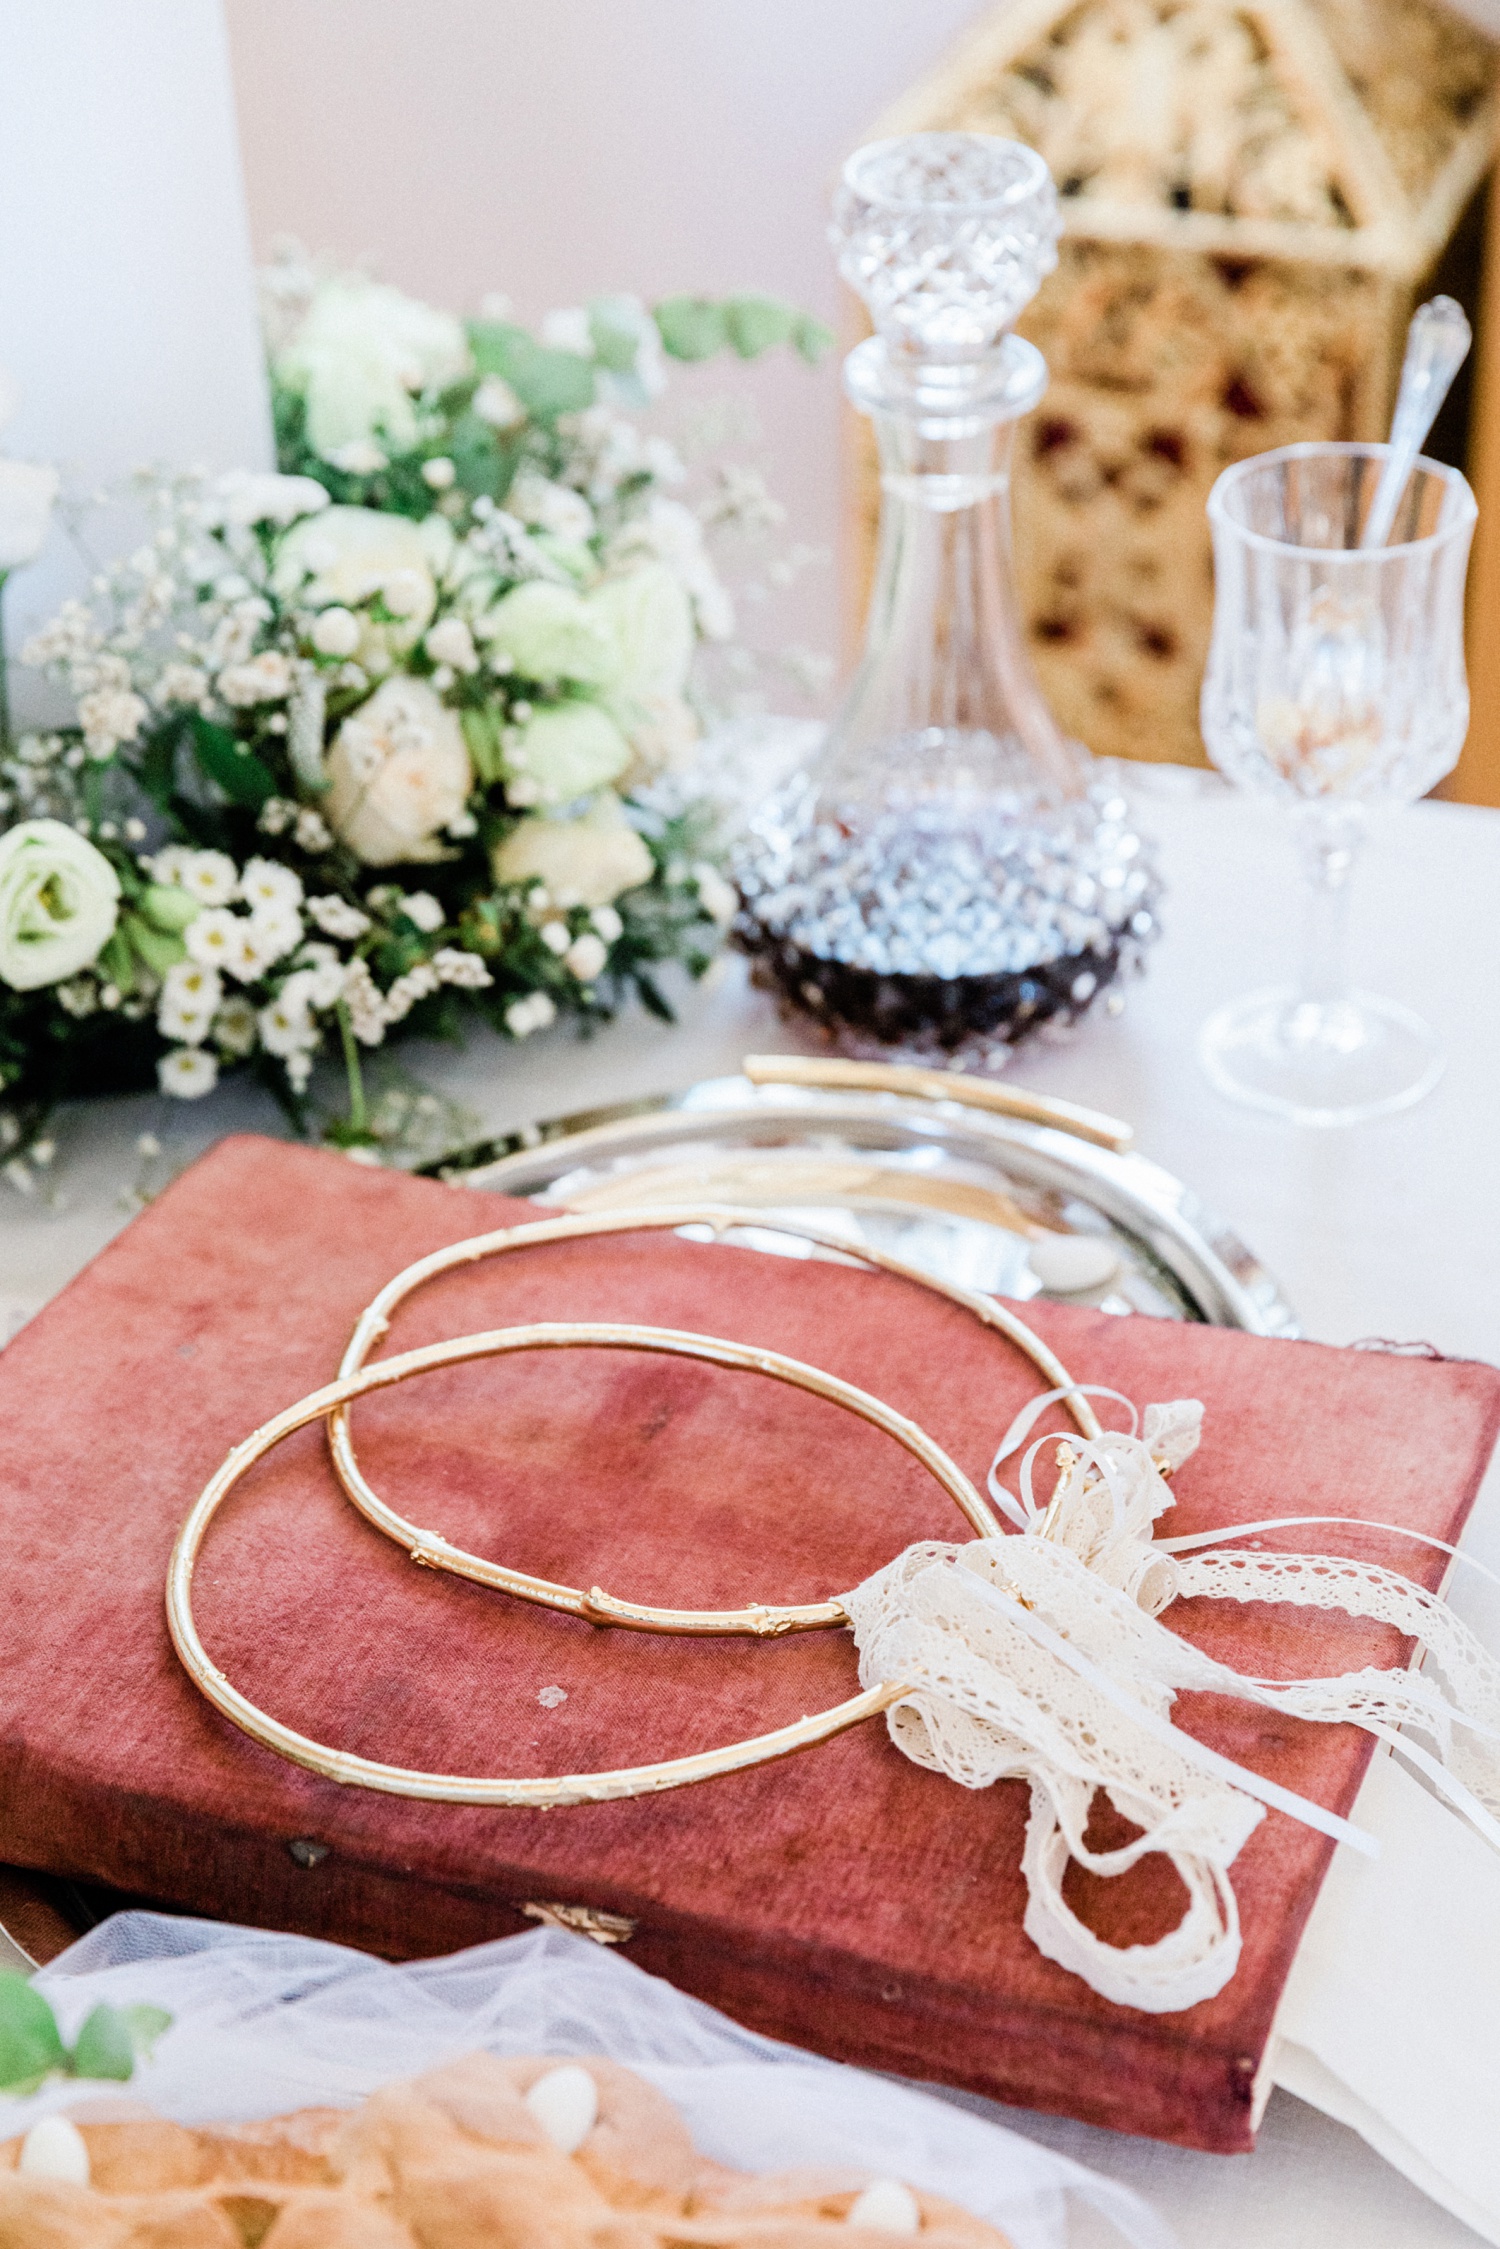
[946, 236]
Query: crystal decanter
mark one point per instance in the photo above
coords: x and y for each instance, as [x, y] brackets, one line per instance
[950, 872]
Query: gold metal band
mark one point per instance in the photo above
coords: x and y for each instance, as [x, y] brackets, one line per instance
[567, 1788]
[435, 1552]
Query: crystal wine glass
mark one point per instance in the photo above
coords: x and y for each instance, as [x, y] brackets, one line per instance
[1335, 684]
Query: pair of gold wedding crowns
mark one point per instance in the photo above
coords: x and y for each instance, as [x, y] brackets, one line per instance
[357, 1379]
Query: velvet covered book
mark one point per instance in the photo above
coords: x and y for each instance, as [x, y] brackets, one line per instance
[847, 1899]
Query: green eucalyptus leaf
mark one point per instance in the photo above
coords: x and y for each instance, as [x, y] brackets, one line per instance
[104, 2046]
[146, 2025]
[615, 341]
[30, 2044]
[812, 338]
[756, 324]
[691, 327]
[547, 382]
[230, 763]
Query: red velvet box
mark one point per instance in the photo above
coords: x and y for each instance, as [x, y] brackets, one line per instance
[846, 1899]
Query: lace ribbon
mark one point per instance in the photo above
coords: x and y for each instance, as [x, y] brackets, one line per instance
[1041, 1658]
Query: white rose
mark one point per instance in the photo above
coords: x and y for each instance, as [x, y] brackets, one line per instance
[361, 353]
[398, 772]
[587, 861]
[666, 531]
[565, 751]
[27, 491]
[549, 632]
[348, 555]
[59, 899]
[650, 619]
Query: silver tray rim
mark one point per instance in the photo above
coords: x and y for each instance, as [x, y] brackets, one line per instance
[1222, 1276]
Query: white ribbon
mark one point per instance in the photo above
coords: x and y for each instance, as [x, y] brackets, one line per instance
[1040, 1658]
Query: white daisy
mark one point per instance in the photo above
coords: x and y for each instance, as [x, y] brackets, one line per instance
[188, 1072]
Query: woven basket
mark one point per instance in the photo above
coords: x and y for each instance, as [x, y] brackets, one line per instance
[1253, 196]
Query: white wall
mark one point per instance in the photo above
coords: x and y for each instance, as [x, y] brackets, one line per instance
[126, 298]
[556, 148]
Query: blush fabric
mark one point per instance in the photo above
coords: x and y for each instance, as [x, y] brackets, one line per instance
[845, 1900]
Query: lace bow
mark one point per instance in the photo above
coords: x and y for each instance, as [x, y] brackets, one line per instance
[1041, 1658]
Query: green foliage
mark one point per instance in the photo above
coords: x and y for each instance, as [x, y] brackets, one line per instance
[546, 381]
[697, 327]
[32, 2049]
[482, 731]
[231, 764]
[691, 327]
[31, 2046]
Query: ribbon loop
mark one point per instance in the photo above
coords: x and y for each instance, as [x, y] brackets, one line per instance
[1041, 1658]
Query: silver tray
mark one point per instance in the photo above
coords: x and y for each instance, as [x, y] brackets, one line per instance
[959, 1176]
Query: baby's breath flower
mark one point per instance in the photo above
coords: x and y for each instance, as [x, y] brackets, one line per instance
[585, 957]
[556, 936]
[109, 717]
[464, 970]
[313, 833]
[337, 918]
[361, 996]
[421, 907]
[335, 632]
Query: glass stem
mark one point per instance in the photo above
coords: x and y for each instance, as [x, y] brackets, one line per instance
[1329, 843]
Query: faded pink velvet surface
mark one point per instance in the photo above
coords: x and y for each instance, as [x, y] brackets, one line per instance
[845, 1899]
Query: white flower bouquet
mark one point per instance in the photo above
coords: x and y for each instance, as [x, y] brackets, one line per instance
[379, 741]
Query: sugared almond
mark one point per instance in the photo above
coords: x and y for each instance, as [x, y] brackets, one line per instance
[886, 2203]
[55, 2149]
[565, 2103]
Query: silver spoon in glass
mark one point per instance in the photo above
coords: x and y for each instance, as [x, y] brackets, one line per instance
[1437, 343]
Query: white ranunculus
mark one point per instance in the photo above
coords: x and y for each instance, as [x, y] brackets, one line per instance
[398, 772]
[59, 899]
[586, 861]
[27, 491]
[242, 496]
[549, 632]
[360, 356]
[566, 751]
[348, 555]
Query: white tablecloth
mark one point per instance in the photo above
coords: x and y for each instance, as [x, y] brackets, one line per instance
[1391, 1230]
